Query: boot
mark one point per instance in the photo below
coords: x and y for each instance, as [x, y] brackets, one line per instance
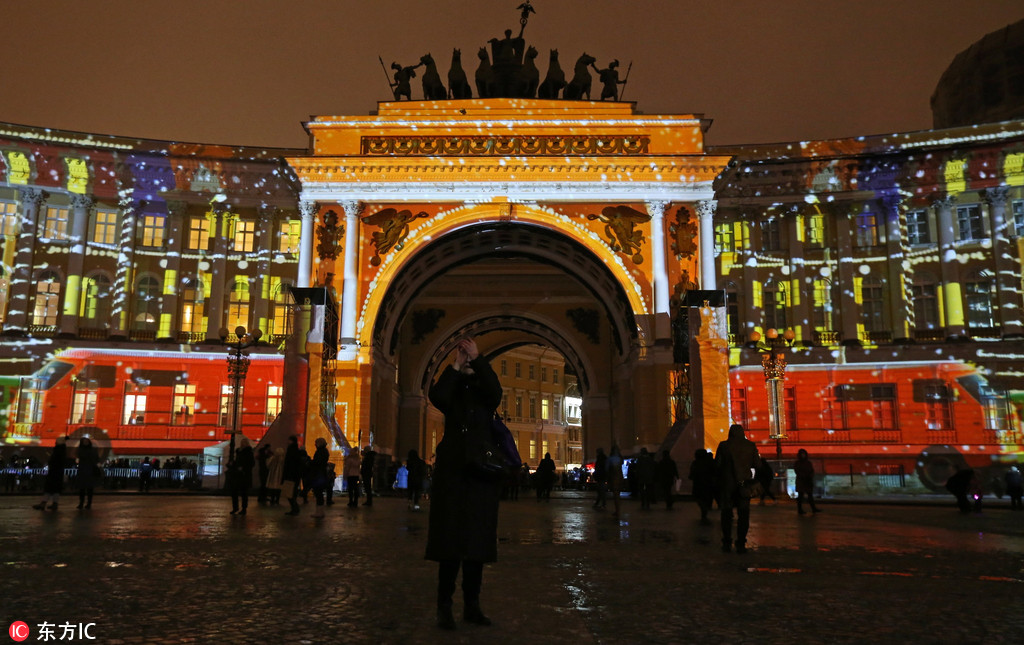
[473, 614]
[445, 619]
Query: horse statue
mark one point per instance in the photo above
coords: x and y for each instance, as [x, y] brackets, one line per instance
[486, 81]
[527, 76]
[458, 84]
[433, 88]
[581, 79]
[554, 81]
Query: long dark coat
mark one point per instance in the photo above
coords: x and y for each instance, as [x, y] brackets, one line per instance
[54, 483]
[463, 508]
[88, 459]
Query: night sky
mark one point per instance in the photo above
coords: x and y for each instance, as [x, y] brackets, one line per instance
[219, 71]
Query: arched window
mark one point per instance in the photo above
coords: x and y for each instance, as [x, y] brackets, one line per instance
[192, 321]
[732, 311]
[47, 300]
[776, 304]
[95, 311]
[238, 304]
[147, 304]
[979, 294]
[824, 320]
[872, 297]
[280, 315]
[926, 303]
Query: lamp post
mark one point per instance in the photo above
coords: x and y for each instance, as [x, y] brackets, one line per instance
[774, 364]
[238, 367]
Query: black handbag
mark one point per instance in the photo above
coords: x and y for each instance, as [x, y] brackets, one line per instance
[487, 456]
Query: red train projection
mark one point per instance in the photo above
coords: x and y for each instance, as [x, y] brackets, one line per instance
[920, 418]
[142, 402]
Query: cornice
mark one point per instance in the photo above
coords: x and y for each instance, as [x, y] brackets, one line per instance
[480, 191]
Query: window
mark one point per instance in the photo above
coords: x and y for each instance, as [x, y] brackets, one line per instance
[519, 406]
[926, 304]
[978, 293]
[225, 405]
[533, 407]
[245, 235]
[1018, 217]
[725, 239]
[867, 229]
[55, 226]
[192, 307]
[183, 404]
[822, 310]
[134, 404]
[238, 304]
[918, 231]
[554, 375]
[274, 397]
[152, 231]
[199, 233]
[83, 403]
[147, 304]
[290, 236]
[30, 400]
[732, 309]
[775, 304]
[883, 407]
[281, 317]
[816, 231]
[936, 406]
[519, 370]
[9, 217]
[533, 448]
[96, 301]
[969, 223]
[504, 367]
[545, 408]
[873, 304]
[104, 229]
[47, 300]
[531, 372]
[771, 235]
[544, 374]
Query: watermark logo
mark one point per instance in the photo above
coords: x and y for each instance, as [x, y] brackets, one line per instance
[18, 631]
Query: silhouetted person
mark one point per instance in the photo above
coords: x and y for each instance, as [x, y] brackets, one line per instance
[545, 477]
[54, 483]
[1014, 487]
[766, 475]
[644, 472]
[291, 473]
[601, 478]
[262, 463]
[666, 474]
[961, 485]
[804, 470]
[350, 470]
[463, 526]
[417, 473]
[736, 461]
[321, 457]
[614, 463]
[145, 475]
[88, 460]
[702, 474]
[366, 473]
[240, 475]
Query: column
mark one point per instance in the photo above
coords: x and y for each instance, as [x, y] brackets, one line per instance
[177, 229]
[659, 270]
[262, 294]
[706, 209]
[899, 272]
[952, 298]
[307, 211]
[849, 310]
[350, 286]
[801, 293]
[1007, 265]
[18, 307]
[79, 226]
[125, 265]
[218, 269]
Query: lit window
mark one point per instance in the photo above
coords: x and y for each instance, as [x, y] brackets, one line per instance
[725, 240]
[245, 236]
[281, 319]
[290, 236]
[192, 307]
[776, 303]
[9, 223]
[969, 223]
[274, 394]
[816, 231]
[918, 231]
[545, 408]
[147, 303]
[883, 407]
[83, 404]
[47, 300]
[225, 405]
[823, 305]
[105, 227]
[183, 404]
[30, 400]
[238, 304]
[519, 406]
[96, 300]
[979, 291]
[1018, 217]
[867, 229]
[134, 404]
[533, 448]
[55, 226]
[152, 231]
[199, 233]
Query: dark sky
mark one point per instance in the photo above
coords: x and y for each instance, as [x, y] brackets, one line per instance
[249, 72]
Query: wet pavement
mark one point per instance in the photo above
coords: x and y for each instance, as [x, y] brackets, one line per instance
[181, 569]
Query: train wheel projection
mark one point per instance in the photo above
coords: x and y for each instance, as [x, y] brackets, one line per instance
[936, 464]
[100, 440]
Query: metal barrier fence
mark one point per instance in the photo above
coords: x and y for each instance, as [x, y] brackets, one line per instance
[113, 478]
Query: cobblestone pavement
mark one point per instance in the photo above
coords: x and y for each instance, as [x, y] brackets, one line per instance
[180, 569]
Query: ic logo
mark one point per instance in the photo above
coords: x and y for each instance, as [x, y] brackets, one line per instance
[18, 630]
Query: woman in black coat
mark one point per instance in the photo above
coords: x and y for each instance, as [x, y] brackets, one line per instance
[88, 461]
[463, 506]
[54, 483]
[291, 473]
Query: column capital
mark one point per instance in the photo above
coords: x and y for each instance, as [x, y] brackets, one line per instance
[943, 201]
[33, 196]
[81, 202]
[997, 195]
[352, 208]
[308, 209]
[707, 207]
[176, 207]
[656, 208]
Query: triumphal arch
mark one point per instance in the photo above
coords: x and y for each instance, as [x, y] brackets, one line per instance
[577, 225]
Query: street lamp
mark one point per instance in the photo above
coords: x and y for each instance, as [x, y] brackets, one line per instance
[238, 367]
[774, 364]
